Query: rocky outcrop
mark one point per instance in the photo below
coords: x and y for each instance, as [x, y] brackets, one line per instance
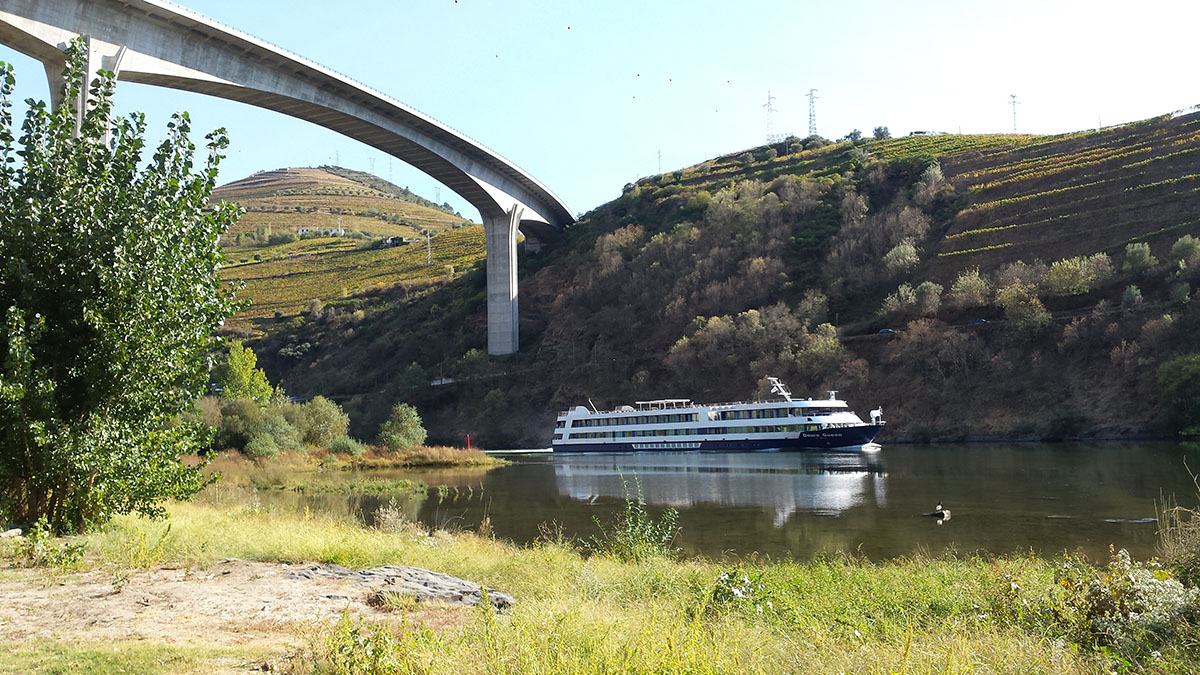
[407, 582]
[10, 534]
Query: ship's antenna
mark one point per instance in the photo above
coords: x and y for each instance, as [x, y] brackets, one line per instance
[780, 388]
[593, 406]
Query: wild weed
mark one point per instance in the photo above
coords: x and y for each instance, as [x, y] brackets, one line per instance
[636, 535]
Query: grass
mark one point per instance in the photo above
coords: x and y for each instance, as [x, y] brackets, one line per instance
[598, 613]
[126, 656]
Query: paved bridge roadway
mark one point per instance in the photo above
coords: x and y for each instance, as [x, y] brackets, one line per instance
[161, 43]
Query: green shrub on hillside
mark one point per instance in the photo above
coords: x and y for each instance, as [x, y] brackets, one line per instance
[1074, 276]
[1138, 258]
[970, 289]
[928, 296]
[1179, 393]
[1022, 308]
[1131, 297]
[902, 258]
[1186, 249]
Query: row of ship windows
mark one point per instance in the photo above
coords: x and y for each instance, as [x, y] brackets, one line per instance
[776, 412]
[694, 417]
[778, 428]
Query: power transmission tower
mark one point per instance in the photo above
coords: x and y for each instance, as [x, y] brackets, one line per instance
[1015, 102]
[660, 162]
[770, 106]
[371, 163]
[428, 250]
[812, 112]
[437, 194]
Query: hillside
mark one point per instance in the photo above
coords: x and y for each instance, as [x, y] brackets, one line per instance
[787, 260]
[282, 248]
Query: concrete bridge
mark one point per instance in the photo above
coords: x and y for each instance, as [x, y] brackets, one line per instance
[161, 43]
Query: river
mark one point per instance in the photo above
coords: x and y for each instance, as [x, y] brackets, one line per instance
[1003, 498]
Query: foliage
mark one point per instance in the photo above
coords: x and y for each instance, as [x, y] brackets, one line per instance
[1179, 392]
[402, 430]
[1129, 610]
[259, 432]
[1131, 297]
[240, 377]
[928, 296]
[1186, 249]
[1022, 308]
[323, 422]
[108, 291]
[1138, 258]
[636, 535]
[970, 289]
[881, 133]
[344, 445]
[39, 548]
[1179, 539]
[902, 258]
[1073, 276]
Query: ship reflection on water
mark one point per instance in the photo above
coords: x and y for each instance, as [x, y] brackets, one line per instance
[823, 484]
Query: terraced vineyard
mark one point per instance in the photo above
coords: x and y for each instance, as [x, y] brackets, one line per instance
[292, 275]
[283, 274]
[286, 200]
[1053, 197]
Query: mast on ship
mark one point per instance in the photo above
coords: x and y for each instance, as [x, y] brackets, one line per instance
[780, 388]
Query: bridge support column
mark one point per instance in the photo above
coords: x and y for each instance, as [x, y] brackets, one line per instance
[97, 60]
[501, 233]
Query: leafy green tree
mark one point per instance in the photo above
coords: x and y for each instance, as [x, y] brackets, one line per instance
[970, 289]
[1179, 389]
[902, 258]
[324, 422]
[240, 376]
[402, 429]
[881, 133]
[1022, 308]
[1138, 258]
[108, 296]
[1186, 249]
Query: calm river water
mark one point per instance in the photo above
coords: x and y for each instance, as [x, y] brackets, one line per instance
[1004, 498]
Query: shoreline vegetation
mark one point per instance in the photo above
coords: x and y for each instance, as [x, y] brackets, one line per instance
[625, 601]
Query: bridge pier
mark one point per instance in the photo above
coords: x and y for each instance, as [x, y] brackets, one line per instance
[97, 60]
[501, 234]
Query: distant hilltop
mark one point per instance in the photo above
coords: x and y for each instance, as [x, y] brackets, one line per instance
[330, 199]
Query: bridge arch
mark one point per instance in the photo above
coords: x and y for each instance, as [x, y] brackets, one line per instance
[160, 43]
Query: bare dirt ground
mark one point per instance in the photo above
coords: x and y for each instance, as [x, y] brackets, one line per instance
[235, 603]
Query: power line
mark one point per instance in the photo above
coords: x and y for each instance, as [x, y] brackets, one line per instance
[812, 112]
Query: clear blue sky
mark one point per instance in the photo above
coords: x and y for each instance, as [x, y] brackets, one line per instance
[585, 95]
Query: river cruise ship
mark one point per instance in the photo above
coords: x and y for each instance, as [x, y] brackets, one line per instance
[670, 425]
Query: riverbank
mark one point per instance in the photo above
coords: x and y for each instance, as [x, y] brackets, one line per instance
[574, 611]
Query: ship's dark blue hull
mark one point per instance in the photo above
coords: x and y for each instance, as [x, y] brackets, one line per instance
[827, 439]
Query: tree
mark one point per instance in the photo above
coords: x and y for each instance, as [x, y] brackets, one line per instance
[402, 429]
[1138, 258]
[323, 422]
[1023, 308]
[1179, 388]
[1186, 249]
[882, 133]
[240, 376]
[108, 296]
